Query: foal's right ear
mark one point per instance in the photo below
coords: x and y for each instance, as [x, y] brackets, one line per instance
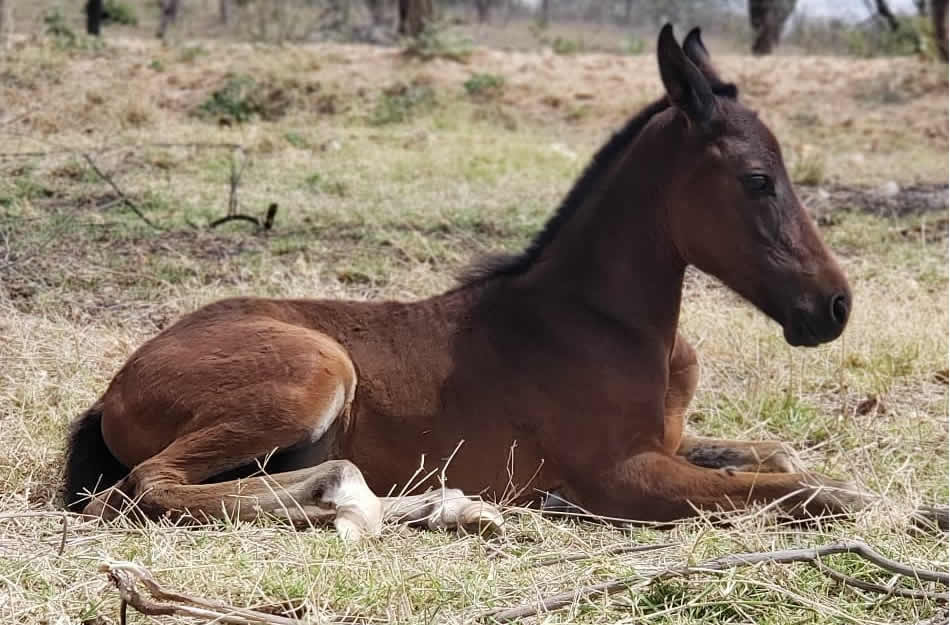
[687, 88]
[696, 51]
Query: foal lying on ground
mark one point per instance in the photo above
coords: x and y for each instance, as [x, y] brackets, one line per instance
[570, 350]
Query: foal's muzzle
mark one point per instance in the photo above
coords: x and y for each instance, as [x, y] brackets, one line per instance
[822, 322]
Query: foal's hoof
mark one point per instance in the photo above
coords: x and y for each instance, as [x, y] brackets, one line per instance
[837, 497]
[478, 517]
[106, 505]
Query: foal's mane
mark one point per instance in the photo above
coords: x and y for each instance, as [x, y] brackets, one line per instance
[506, 265]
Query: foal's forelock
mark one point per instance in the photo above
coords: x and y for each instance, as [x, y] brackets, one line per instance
[601, 165]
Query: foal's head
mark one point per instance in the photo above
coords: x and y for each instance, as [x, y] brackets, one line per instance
[732, 210]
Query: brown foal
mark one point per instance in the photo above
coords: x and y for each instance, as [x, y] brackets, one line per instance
[567, 354]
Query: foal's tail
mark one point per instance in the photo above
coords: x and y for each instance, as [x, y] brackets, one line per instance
[89, 465]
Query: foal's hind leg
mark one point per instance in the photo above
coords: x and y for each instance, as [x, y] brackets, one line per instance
[444, 509]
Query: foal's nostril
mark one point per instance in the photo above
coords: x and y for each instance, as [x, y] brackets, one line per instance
[839, 309]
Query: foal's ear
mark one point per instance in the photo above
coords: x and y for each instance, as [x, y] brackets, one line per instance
[687, 88]
[696, 52]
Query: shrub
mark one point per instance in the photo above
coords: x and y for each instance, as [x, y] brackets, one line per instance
[400, 102]
[119, 12]
[484, 85]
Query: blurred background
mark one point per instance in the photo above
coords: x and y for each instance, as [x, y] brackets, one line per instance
[858, 27]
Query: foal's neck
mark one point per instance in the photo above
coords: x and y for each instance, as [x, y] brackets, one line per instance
[616, 254]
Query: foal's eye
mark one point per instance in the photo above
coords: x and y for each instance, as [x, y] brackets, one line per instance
[757, 185]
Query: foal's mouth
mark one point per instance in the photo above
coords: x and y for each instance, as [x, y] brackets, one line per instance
[798, 334]
[805, 330]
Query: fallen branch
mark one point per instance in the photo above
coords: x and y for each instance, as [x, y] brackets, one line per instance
[125, 199]
[811, 555]
[125, 576]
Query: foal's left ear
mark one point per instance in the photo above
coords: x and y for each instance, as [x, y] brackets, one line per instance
[687, 88]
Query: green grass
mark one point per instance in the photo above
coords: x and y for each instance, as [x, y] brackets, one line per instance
[389, 196]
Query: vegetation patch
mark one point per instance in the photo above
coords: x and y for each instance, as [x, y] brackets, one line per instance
[401, 102]
[485, 86]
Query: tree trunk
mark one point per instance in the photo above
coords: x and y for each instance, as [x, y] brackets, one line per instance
[545, 17]
[413, 16]
[483, 8]
[169, 15]
[938, 11]
[767, 18]
[93, 17]
[885, 12]
[6, 23]
[224, 11]
[377, 11]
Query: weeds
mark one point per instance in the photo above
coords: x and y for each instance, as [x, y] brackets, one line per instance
[119, 12]
[401, 102]
[436, 42]
[485, 86]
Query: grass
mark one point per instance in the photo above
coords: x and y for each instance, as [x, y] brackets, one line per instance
[372, 210]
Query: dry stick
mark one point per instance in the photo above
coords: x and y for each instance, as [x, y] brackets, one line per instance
[620, 549]
[110, 148]
[125, 575]
[911, 593]
[563, 599]
[62, 540]
[132, 205]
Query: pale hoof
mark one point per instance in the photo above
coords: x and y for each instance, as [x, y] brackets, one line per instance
[478, 517]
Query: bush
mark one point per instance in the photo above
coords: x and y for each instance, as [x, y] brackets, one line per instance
[233, 101]
[400, 102]
[484, 85]
[434, 42]
[908, 39]
[57, 29]
[562, 45]
[118, 12]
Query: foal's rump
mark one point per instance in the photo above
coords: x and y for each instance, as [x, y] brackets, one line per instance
[220, 393]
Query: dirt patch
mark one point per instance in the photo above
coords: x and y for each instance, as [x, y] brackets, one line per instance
[888, 200]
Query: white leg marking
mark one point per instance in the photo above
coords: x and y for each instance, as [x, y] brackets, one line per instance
[333, 411]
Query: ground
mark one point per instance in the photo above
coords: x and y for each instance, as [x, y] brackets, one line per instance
[390, 173]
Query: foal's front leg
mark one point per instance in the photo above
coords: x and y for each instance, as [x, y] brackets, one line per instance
[749, 456]
[656, 486]
[714, 453]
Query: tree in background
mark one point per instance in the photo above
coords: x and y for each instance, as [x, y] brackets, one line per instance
[169, 15]
[413, 16]
[93, 17]
[483, 10]
[938, 12]
[767, 18]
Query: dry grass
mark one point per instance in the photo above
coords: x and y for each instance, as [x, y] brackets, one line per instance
[371, 209]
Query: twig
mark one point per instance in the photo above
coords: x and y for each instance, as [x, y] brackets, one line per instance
[112, 148]
[227, 218]
[269, 217]
[734, 561]
[620, 549]
[125, 575]
[62, 540]
[912, 593]
[238, 162]
[132, 205]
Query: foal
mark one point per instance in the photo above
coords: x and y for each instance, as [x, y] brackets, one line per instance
[569, 351]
